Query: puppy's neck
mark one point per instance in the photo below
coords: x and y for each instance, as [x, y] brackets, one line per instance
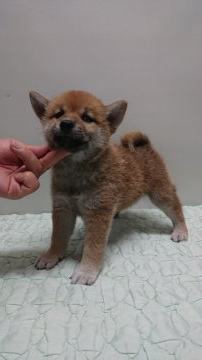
[84, 156]
[89, 154]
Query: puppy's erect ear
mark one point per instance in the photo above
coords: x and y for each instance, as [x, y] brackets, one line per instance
[39, 103]
[115, 113]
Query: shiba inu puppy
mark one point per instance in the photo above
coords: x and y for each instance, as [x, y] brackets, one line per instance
[99, 178]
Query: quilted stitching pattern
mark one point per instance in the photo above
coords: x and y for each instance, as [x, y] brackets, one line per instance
[145, 305]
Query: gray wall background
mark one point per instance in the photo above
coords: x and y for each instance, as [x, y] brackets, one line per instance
[148, 52]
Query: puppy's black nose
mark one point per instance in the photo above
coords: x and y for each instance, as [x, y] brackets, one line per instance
[66, 126]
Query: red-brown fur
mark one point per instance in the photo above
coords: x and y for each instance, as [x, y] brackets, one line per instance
[100, 178]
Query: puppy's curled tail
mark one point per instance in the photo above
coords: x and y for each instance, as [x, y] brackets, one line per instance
[134, 140]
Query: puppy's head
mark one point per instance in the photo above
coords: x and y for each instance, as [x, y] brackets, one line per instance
[77, 120]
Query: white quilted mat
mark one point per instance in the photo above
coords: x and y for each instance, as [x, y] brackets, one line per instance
[145, 305]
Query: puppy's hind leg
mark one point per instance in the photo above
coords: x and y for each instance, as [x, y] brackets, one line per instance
[165, 197]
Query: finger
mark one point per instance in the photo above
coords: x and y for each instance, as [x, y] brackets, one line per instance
[52, 158]
[39, 151]
[27, 183]
[28, 158]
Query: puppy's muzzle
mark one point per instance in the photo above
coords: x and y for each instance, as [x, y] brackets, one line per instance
[67, 135]
[66, 126]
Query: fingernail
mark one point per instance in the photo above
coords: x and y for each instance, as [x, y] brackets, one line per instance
[16, 145]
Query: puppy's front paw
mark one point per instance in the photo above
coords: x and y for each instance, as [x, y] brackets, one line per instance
[84, 275]
[180, 233]
[48, 260]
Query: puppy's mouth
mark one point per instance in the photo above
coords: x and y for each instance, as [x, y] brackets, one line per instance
[72, 143]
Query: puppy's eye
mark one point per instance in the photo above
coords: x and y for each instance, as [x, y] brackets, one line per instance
[87, 118]
[59, 113]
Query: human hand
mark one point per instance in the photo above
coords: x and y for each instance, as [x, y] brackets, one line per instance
[21, 165]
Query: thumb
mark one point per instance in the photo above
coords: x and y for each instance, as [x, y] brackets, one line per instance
[27, 157]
